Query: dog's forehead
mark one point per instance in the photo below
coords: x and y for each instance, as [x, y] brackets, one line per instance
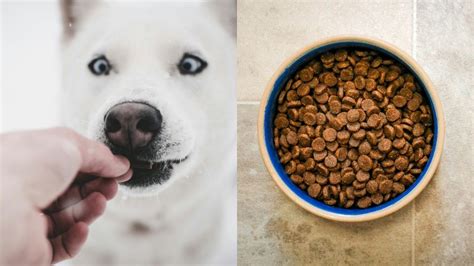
[154, 16]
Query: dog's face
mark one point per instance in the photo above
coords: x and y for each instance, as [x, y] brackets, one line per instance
[154, 82]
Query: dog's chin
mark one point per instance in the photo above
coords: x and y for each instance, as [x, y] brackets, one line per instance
[149, 173]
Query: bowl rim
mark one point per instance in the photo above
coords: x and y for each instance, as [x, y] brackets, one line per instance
[439, 122]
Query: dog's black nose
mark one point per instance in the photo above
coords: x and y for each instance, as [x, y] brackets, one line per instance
[132, 125]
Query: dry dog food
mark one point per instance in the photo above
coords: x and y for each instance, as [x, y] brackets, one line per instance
[353, 128]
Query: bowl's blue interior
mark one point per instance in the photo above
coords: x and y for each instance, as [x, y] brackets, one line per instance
[270, 112]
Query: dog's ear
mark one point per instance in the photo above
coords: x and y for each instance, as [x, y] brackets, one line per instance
[73, 11]
[226, 11]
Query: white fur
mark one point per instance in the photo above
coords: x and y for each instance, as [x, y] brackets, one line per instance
[192, 216]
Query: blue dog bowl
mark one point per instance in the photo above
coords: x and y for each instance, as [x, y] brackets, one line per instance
[268, 110]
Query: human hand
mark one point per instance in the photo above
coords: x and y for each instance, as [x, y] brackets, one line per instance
[47, 198]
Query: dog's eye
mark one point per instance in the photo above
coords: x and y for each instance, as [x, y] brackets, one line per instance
[100, 66]
[191, 65]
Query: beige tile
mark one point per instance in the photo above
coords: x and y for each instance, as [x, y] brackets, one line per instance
[444, 212]
[270, 31]
[275, 231]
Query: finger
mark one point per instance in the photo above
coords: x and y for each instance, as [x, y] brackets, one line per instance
[78, 192]
[98, 160]
[125, 177]
[85, 211]
[67, 245]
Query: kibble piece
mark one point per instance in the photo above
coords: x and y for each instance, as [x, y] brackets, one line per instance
[413, 104]
[318, 144]
[303, 90]
[365, 148]
[362, 176]
[292, 138]
[366, 104]
[330, 79]
[320, 155]
[335, 178]
[392, 114]
[306, 75]
[377, 198]
[314, 190]
[418, 129]
[399, 101]
[374, 120]
[372, 187]
[385, 145]
[401, 163]
[329, 134]
[281, 122]
[385, 186]
[330, 161]
[364, 202]
[340, 55]
[365, 162]
[309, 119]
[309, 178]
[297, 179]
[398, 187]
[359, 82]
[353, 115]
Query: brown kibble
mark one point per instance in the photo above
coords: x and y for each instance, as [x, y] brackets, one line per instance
[340, 55]
[320, 155]
[362, 176]
[366, 104]
[353, 115]
[399, 101]
[303, 90]
[318, 144]
[365, 148]
[309, 178]
[398, 187]
[364, 202]
[413, 104]
[314, 190]
[372, 187]
[374, 120]
[392, 114]
[329, 134]
[377, 198]
[347, 74]
[418, 129]
[365, 162]
[330, 161]
[306, 75]
[281, 122]
[330, 79]
[385, 145]
[401, 163]
[309, 119]
[292, 138]
[297, 179]
[334, 178]
[359, 82]
[385, 186]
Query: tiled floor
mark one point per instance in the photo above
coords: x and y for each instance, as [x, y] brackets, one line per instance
[437, 228]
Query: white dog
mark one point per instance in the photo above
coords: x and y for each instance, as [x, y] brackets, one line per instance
[155, 81]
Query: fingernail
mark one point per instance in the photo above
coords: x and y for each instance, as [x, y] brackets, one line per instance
[125, 177]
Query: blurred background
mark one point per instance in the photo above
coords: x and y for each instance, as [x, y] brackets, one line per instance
[30, 71]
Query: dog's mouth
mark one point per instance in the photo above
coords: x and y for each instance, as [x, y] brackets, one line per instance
[147, 173]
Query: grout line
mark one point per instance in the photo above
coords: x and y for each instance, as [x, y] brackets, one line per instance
[413, 221]
[248, 102]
